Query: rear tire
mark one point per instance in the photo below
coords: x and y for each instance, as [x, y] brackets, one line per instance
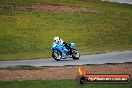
[81, 79]
[56, 55]
[75, 54]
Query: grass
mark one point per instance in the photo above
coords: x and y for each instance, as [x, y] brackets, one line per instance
[57, 84]
[29, 34]
[20, 67]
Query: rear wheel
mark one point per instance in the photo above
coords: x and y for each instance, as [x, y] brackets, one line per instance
[75, 54]
[81, 80]
[56, 55]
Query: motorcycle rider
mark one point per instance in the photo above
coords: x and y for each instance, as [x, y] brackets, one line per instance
[58, 40]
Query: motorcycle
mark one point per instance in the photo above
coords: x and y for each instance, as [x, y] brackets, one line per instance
[61, 52]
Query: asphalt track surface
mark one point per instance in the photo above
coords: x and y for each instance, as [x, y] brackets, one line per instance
[120, 1]
[104, 58]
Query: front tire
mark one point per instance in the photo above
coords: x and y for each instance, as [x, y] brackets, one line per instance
[56, 55]
[75, 54]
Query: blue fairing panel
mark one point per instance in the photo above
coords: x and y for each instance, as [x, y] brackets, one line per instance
[72, 45]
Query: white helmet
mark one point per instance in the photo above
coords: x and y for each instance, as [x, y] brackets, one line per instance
[57, 40]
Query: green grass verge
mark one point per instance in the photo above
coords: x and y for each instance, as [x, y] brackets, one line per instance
[20, 67]
[29, 34]
[57, 84]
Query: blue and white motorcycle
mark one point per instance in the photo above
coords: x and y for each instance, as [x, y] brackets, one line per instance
[61, 52]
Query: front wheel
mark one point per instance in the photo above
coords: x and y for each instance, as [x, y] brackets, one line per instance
[75, 54]
[56, 55]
